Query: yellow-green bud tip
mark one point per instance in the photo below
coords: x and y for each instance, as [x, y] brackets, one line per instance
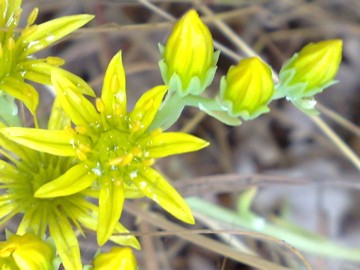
[314, 66]
[309, 72]
[189, 61]
[117, 258]
[247, 88]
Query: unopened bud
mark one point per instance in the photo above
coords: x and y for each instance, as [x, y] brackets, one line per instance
[189, 62]
[247, 88]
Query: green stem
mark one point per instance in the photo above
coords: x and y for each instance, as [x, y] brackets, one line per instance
[169, 112]
[292, 234]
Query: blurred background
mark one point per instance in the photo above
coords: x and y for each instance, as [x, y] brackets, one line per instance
[302, 176]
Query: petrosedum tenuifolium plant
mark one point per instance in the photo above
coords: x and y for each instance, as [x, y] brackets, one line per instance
[76, 173]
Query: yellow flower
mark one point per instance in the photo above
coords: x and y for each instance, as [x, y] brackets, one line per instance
[26, 252]
[115, 148]
[116, 259]
[247, 88]
[24, 173]
[17, 62]
[189, 62]
[309, 72]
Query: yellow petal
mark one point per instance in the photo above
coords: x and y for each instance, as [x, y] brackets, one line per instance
[76, 179]
[155, 187]
[146, 107]
[66, 242]
[51, 31]
[171, 143]
[114, 88]
[57, 142]
[80, 110]
[111, 201]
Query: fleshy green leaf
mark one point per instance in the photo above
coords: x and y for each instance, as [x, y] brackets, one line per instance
[21, 91]
[170, 143]
[73, 181]
[56, 142]
[66, 242]
[51, 31]
[111, 201]
[155, 187]
[114, 87]
[147, 106]
[76, 106]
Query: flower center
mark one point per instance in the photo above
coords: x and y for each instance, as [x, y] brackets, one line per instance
[118, 153]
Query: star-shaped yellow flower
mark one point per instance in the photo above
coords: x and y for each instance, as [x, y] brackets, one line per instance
[26, 252]
[24, 172]
[17, 62]
[116, 149]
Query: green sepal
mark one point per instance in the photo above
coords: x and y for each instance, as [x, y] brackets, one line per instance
[228, 105]
[9, 111]
[196, 86]
[222, 116]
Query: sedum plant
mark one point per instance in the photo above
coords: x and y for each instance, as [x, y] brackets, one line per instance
[76, 173]
[17, 60]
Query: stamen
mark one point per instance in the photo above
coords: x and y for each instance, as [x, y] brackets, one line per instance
[100, 106]
[122, 161]
[32, 17]
[69, 130]
[127, 159]
[136, 151]
[81, 155]
[55, 61]
[29, 30]
[149, 162]
[84, 148]
[156, 132]
[1, 51]
[135, 126]
[81, 129]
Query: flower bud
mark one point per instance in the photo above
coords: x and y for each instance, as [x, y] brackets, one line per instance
[247, 88]
[26, 252]
[312, 69]
[309, 72]
[189, 62]
[116, 259]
